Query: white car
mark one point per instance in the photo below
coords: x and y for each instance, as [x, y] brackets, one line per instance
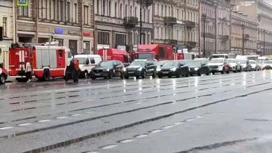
[234, 65]
[267, 65]
[254, 65]
[218, 65]
[86, 63]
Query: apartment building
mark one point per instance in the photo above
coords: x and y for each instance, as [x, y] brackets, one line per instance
[70, 22]
[6, 22]
[176, 23]
[118, 23]
[243, 34]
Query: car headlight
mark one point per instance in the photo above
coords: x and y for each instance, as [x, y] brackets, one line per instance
[139, 69]
[124, 69]
[108, 69]
[158, 69]
[0, 71]
[196, 69]
[173, 69]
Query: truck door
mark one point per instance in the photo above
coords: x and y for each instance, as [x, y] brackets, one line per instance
[61, 58]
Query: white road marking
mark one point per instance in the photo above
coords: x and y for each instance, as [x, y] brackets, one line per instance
[168, 127]
[156, 131]
[43, 121]
[92, 152]
[199, 116]
[141, 136]
[109, 147]
[6, 128]
[62, 117]
[127, 141]
[24, 124]
[179, 123]
[74, 115]
[189, 120]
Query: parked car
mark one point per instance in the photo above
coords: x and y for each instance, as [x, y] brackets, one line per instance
[3, 74]
[198, 67]
[86, 63]
[159, 64]
[173, 68]
[218, 65]
[267, 65]
[141, 68]
[245, 65]
[234, 64]
[254, 65]
[108, 69]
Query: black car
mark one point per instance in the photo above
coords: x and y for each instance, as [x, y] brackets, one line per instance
[173, 68]
[141, 68]
[198, 67]
[108, 69]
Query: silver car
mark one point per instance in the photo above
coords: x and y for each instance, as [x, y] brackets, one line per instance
[254, 65]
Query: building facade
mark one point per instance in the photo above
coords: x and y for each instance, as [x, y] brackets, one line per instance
[243, 34]
[6, 22]
[223, 27]
[176, 23]
[208, 27]
[118, 23]
[70, 22]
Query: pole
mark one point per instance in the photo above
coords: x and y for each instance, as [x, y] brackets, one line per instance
[36, 19]
[199, 28]
[204, 36]
[15, 16]
[230, 32]
[215, 45]
[264, 43]
[141, 22]
[243, 39]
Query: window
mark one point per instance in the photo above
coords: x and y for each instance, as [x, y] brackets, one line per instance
[104, 7]
[121, 11]
[73, 46]
[75, 13]
[87, 46]
[115, 10]
[121, 39]
[61, 11]
[5, 26]
[23, 11]
[86, 14]
[53, 10]
[109, 8]
[68, 12]
[97, 7]
[103, 38]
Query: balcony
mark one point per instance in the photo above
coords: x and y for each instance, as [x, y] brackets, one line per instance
[145, 2]
[190, 24]
[246, 36]
[130, 22]
[170, 41]
[208, 35]
[225, 37]
[170, 20]
[191, 44]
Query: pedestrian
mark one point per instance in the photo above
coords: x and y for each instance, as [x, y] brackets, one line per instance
[28, 72]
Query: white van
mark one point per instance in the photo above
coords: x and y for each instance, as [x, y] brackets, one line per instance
[86, 63]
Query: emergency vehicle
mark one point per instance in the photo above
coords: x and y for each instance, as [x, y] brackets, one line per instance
[3, 74]
[46, 61]
[155, 51]
[114, 54]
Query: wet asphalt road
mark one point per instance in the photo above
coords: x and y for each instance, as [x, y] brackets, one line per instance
[208, 114]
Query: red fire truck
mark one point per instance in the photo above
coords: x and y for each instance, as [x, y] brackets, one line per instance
[114, 54]
[46, 61]
[155, 51]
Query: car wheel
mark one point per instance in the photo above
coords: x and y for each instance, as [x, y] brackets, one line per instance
[86, 74]
[126, 77]
[2, 79]
[46, 74]
[160, 76]
[110, 75]
[137, 77]
[143, 74]
[213, 73]
[199, 74]
[154, 74]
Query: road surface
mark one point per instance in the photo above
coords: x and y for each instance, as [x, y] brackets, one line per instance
[209, 114]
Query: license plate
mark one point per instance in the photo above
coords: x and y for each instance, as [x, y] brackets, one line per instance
[130, 72]
[97, 74]
[164, 72]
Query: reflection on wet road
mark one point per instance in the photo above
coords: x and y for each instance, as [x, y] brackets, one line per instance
[220, 113]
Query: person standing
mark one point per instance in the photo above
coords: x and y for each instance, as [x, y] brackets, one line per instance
[28, 72]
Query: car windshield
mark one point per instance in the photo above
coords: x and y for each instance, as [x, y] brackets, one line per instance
[106, 64]
[161, 63]
[81, 60]
[231, 61]
[171, 63]
[194, 64]
[252, 62]
[268, 62]
[217, 61]
[138, 63]
[243, 61]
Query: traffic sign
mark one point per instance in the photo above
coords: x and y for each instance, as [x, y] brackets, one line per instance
[23, 3]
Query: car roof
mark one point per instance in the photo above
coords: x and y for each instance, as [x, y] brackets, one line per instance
[87, 55]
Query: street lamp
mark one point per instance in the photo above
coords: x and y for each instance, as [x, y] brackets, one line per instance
[243, 39]
[264, 32]
[204, 17]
